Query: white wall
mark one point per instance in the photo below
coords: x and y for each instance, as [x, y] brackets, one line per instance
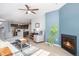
[41, 20]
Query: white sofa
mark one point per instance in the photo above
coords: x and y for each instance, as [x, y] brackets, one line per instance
[12, 48]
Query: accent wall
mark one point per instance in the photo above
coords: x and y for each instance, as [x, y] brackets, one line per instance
[69, 21]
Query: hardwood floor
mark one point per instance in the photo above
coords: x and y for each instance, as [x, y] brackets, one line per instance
[54, 50]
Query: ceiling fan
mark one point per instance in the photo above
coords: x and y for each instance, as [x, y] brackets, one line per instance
[29, 10]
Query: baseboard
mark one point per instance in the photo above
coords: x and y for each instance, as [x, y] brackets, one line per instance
[54, 44]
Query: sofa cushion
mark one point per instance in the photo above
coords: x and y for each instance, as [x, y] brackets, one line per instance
[5, 51]
[8, 44]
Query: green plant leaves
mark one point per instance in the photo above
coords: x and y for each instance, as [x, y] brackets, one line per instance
[52, 34]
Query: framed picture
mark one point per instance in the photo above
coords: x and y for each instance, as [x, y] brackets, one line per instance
[37, 25]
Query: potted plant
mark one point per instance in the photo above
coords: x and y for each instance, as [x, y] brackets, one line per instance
[52, 34]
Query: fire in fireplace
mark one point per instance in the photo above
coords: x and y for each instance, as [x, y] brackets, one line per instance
[68, 42]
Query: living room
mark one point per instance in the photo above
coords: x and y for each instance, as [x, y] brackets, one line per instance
[27, 29]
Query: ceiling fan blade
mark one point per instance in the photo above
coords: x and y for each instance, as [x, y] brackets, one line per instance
[27, 7]
[33, 12]
[34, 9]
[21, 9]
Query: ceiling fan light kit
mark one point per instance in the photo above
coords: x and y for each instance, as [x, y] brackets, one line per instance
[29, 10]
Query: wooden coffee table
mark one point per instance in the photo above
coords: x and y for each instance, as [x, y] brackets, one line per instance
[24, 40]
[21, 43]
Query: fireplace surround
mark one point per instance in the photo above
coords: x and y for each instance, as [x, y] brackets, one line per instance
[69, 43]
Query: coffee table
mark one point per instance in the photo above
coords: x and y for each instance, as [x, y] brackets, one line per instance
[19, 45]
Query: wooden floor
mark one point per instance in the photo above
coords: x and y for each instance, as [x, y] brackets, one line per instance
[54, 50]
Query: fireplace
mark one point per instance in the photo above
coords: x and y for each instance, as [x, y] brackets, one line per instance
[69, 43]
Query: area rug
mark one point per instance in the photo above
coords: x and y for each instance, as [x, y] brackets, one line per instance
[29, 51]
[41, 52]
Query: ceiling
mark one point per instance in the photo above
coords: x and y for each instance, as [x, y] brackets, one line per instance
[10, 12]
